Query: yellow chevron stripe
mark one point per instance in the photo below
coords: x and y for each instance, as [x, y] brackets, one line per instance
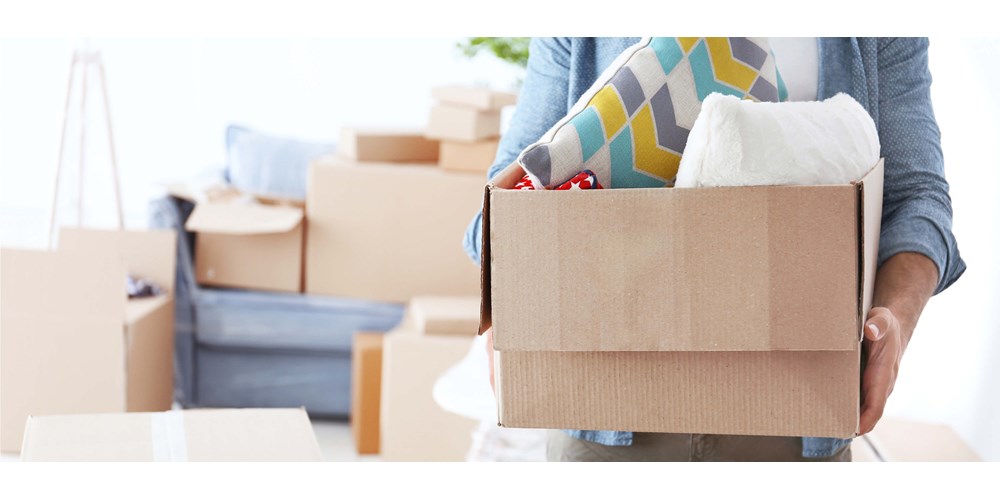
[726, 68]
[609, 107]
[649, 157]
[687, 43]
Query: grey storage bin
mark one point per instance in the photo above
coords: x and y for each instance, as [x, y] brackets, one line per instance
[241, 348]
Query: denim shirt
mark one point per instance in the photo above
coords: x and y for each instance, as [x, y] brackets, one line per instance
[888, 76]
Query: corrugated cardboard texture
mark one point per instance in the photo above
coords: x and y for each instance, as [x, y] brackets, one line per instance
[414, 427]
[751, 393]
[256, 261]
[445, 315]
[458, 123]
[468, 156]
[384, 232]
[473, 97]
[383, 144]
[714, 269]
[61, 346]
[149, 340]
[366, 391]
[208, 435]
[901, 440]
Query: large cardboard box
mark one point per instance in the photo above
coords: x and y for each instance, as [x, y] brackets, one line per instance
[387, 144]
[414, 427]
[461, 123]
[474, 97]
[384, 232]
[475, 156]
[268, 435]
[715, 310]
[439, 315]
[366, 391]
[254, 245]
[71, 342]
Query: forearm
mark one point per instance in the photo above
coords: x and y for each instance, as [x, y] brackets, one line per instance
[903, 284]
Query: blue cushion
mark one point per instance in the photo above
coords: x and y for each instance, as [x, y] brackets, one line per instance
[265, 164]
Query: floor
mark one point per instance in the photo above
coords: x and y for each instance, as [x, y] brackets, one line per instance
[335, 443]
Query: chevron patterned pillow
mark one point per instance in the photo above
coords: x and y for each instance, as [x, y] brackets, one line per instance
[631, 126]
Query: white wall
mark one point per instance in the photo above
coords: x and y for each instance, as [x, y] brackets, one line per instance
[171, 101]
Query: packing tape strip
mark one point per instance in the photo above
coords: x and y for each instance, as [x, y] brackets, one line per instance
[169, 443]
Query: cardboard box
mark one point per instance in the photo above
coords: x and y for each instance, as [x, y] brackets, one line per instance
[248, 245]
[460, 123]
[381, 232]
[681, 310]
[366, 391]
[268, 435]
[438, 315]
[469, 156]
[902, 440]
[70, 342]
[414, 427]
[384, 144]
[474, 97]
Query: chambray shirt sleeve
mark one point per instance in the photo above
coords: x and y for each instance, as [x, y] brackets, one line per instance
[916, 210]
[542, 102]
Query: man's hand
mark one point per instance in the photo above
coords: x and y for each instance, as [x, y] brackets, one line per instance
[903, 285]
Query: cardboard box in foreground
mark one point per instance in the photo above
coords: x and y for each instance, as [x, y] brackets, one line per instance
[414, 427]
[71, 342]
[385, 232]
[268, 435]
[710, 310]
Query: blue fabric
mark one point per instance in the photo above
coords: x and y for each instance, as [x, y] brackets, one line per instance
[888, 76]
[265, 164]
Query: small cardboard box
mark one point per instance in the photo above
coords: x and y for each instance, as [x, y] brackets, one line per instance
[385, 144]
[414, 427]
[71, 342]
[254, 245]
[473, 97]
[468, 156]
[436, 315]
[709, 310]
[381, 232]
[246, 435]
[366, 391]
[460, 123]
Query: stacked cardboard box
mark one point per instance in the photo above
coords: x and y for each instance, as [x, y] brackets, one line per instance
[395, 412]
[70, 340]
[467, 122]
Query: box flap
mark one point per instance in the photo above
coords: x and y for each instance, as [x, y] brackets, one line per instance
[147, 254]
[504, 179]
[227, 218]
[656, 269]
[870, 227]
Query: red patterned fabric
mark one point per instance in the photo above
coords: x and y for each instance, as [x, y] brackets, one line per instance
[583, 180]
